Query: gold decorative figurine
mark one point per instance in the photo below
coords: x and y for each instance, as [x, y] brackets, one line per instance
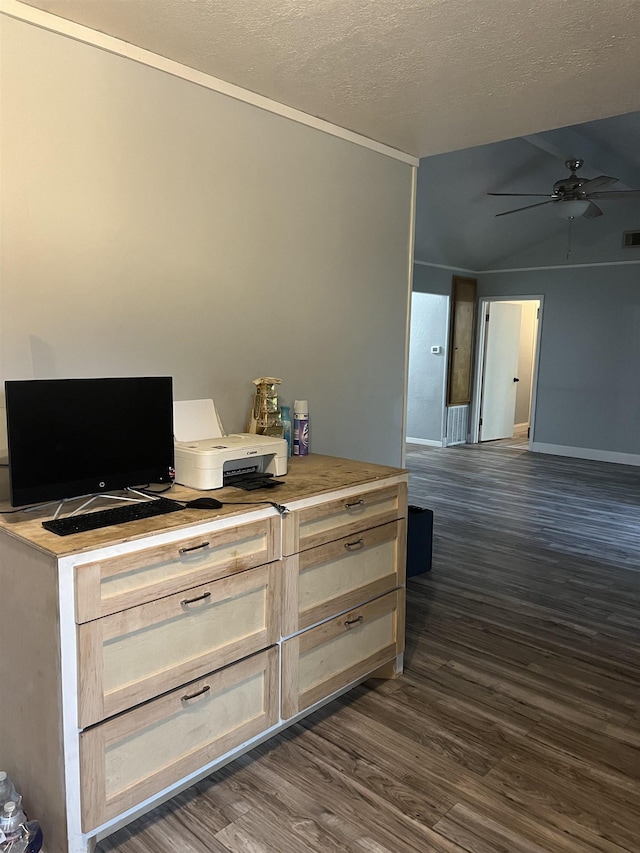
[265, 415]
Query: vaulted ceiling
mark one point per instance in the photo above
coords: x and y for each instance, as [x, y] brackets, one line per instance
[456, 223]
[434, 76]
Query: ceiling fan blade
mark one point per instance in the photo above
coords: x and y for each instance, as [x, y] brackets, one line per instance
[617, 194]
[592, 211]
[595, 184]
[528, 207]
[529, 195]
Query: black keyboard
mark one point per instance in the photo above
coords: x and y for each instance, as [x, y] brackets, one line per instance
[107, 517]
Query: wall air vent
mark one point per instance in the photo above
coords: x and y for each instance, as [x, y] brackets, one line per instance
[631, 240]
[457, 425]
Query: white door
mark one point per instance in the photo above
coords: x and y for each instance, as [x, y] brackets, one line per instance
[502, 349]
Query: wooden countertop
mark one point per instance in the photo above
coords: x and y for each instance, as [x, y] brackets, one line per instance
[307, 477]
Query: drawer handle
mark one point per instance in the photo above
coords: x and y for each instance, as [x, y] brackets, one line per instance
[202, 597]
[351, 622]
[189, 696]
[193, 548]
[354, 546]
[355, 504]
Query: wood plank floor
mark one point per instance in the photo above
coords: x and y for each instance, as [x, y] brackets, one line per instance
[516, 726]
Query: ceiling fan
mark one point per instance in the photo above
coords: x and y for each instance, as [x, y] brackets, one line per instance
[574, 196]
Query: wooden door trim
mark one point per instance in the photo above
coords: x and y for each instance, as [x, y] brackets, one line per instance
[458, 282]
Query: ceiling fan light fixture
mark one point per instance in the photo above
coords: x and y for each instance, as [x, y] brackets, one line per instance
[571, 208]
[574, 196]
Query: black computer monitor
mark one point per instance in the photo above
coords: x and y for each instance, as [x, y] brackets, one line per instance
[73, 437]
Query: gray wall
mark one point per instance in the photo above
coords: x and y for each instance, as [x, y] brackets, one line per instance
[587, 241]
[588, 393]
[152, 226]
[431, 279]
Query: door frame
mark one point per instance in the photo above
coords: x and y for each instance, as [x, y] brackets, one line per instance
[483, 303]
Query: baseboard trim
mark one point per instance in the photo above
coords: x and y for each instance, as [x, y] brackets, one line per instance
[428, 441]
[586, 453]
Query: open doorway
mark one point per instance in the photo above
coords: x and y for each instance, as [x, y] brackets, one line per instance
[506, 369]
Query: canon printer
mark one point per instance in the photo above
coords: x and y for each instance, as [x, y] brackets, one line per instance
[205, 458]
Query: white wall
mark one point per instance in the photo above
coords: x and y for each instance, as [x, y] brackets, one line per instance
[432, 288]
[427, 370]
[528, 330]
[152, 226]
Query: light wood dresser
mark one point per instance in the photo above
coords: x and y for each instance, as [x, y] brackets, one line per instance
[135, 660]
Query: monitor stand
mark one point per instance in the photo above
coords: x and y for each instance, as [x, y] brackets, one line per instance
[91, 499]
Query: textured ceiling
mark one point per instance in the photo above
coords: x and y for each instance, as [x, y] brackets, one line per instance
[423, 76]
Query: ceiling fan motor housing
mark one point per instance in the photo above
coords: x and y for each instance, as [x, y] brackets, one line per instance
[570, 186]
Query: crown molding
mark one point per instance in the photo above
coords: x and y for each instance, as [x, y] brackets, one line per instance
[110, 44]
[445, 267]
[529, 269]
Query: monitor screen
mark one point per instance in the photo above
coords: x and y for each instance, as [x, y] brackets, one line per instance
[72, 437]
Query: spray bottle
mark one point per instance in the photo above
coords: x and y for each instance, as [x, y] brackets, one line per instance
[300, 428]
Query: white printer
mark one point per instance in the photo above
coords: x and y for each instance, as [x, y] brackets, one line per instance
[205, 457]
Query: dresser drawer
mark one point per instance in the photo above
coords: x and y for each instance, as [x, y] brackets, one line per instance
[332, 578]
[116, 583]
[125, 760]
[324, 659]
[132, 656]
[307, 528]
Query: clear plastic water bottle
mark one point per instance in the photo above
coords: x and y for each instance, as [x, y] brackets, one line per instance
[8, 790]
[12, 821]
[285, 417]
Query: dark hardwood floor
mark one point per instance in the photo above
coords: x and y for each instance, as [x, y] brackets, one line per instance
[516, 725]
